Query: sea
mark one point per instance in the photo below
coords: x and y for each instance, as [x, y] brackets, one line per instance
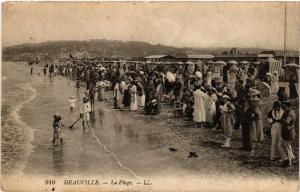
[27, 110]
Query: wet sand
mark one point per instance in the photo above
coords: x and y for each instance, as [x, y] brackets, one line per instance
[131, 145]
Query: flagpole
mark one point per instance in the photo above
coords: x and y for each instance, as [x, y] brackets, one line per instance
[284, 53]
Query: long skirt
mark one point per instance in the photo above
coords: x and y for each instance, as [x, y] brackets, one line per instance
[134, 102]
[227, 123]
[276, 140]
[287, 150]
[126, 98]
[118, 100]
[211, 112]
[258, 133]
[101, 94]
[141, 100]
[247, 135]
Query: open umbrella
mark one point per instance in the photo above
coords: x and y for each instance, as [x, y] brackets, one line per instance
[233, 62]
[256, 63]
[189, 63]
[245, 62]
[292, 65]
[221, 62]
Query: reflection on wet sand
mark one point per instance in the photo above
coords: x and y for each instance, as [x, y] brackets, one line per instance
[93, 119]
[101, 116]
[58, 160]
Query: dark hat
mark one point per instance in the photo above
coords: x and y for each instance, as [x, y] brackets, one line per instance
[85, 99]
[285, 102]
[276, 104]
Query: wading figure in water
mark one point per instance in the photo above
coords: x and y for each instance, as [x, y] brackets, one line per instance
[85, 112]
[57, 129]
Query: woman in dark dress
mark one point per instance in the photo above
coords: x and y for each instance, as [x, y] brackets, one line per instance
[293, 89]
[127, 97]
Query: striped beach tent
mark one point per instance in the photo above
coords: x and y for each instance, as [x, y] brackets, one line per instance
[275, 65]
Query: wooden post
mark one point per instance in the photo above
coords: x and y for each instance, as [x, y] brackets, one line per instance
[284, 53]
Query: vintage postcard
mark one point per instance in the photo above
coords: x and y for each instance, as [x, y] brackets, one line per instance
[150, 96]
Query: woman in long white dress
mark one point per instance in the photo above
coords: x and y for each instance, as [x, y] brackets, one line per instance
[117, 96]
[140, 94]
[100, 85]
[133, 94]
[199, 115]
[208, 78]
[211, 112]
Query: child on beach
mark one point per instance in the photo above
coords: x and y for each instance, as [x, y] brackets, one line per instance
[72, 103]
[57, 129]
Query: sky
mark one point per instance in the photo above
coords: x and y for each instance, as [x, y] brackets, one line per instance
[178, 24]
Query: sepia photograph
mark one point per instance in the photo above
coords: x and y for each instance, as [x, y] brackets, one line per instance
[150, 96]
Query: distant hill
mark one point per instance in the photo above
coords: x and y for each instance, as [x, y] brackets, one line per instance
[111, 48]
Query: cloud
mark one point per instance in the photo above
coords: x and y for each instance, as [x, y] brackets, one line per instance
[181, 24]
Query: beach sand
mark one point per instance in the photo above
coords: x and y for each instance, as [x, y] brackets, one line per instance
[121, 144]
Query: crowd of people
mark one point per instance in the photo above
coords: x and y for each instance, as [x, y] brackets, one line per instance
[229, 102]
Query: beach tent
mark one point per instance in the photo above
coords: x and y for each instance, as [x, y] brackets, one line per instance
[217, 68]
[190, 67]
[291, 69]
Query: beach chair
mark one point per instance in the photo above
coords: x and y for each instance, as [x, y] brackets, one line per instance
[178, 108]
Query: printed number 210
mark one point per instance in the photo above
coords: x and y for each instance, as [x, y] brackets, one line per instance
[50, 182]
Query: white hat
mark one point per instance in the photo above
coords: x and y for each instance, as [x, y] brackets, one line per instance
[198, 74]
[226, 96]
[254, 92]
[268, 74]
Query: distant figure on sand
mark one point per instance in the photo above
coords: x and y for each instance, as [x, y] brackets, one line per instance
[45, 70]
[57, 129]
[77, 85]
[72, 103]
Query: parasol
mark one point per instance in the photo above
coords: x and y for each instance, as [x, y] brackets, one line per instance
[245, 62]
[233, 62]
[221, 62]
[189, 63]
[291, 65]
[130, 72]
